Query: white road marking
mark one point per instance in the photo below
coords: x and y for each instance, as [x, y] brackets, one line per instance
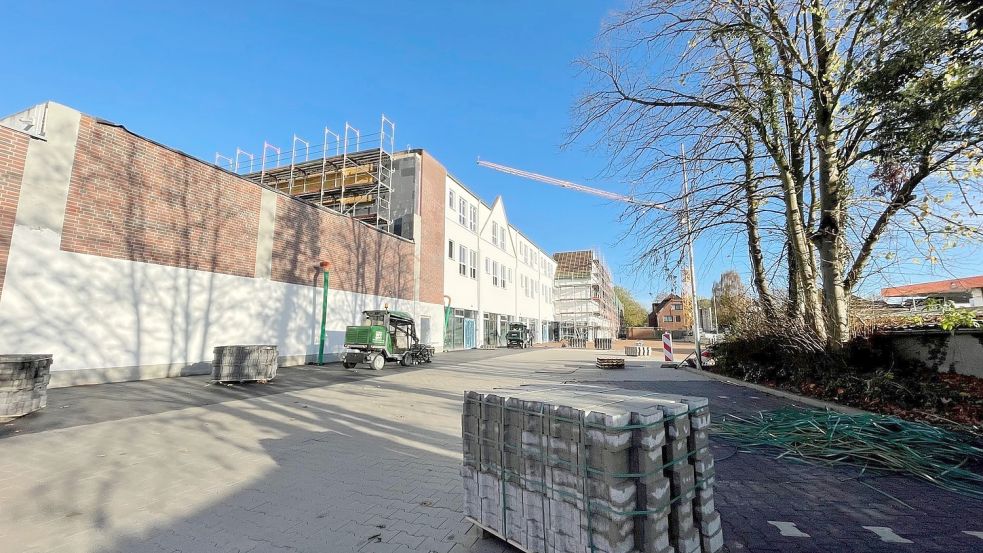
[888, 535]
[974, 534]
[788, 529]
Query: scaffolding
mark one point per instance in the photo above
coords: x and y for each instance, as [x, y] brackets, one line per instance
[586, 306]
[342, 176]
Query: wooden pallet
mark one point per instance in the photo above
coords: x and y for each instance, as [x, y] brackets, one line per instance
[488, 532]
[610, 363]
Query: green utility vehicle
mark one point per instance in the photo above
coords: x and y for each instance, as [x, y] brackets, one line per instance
[518, 336]
[385, 336]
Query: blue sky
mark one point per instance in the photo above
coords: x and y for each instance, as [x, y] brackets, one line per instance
[460, 79]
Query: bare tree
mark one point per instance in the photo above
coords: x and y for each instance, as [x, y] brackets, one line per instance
[799, 128]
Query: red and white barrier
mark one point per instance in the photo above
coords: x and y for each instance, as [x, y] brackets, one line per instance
[667, 346]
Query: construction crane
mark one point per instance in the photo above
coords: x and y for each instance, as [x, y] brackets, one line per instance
[628, 200]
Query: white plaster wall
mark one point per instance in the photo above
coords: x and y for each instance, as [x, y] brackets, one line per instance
[94, 312]
[109, 319]
[463, 290]
[495, 299]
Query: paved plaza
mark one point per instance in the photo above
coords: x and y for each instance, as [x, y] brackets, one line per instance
[324, 459]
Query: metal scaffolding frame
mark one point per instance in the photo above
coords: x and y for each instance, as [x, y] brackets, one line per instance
[345, 178]
[585, 301]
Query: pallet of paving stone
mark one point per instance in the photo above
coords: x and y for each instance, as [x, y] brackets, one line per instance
[590, 469]
[254, 363]
[610, 363]
[638, 351]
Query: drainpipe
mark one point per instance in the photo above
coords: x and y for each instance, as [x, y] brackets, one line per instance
[324, 311]
[447, 318]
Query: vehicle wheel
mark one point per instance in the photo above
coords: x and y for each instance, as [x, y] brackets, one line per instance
[378, 362]
[406, 360]
[348, 365]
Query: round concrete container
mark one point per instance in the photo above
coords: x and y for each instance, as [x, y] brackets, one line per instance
[23, 383]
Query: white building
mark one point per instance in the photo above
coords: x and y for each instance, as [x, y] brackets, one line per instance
[493, 274]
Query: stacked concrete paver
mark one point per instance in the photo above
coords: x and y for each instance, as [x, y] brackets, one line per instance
[23, 384]
[590, 469]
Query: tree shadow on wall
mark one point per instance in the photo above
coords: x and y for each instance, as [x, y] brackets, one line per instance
[124, 299]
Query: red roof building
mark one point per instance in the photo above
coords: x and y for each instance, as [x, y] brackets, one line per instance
[968, 290]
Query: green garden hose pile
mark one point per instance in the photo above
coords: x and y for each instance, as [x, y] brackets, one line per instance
[870, 442]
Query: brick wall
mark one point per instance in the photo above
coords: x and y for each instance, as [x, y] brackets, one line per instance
[362, 259]
[13, 152]
[433, 198]
[133, 199]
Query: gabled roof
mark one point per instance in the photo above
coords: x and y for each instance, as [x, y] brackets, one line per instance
[660, 305]
[954, 285]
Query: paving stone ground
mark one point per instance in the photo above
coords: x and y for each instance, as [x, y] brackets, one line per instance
[325, 460]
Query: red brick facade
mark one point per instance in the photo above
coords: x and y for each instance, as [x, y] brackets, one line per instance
[433, 194]
[13, 153]
[133, 199]
[669, 314]
[130, 198]
[362, 259]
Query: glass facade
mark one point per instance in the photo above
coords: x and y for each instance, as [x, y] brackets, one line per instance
[460, 330]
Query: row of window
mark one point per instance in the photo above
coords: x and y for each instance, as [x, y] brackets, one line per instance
[467, 216]
[499, 272]
[467, 260]
[498, 235]
[501, 275]
[672, 319]
[467, 213]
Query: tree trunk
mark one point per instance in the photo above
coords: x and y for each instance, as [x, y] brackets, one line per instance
[795, 308]
[774, 136]
[753, 236]
[832, 196]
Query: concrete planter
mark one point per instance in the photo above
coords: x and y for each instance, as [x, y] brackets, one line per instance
[23, 383]
[960, 351]
[244, 363]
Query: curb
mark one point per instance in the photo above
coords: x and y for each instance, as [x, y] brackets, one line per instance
[810, 401]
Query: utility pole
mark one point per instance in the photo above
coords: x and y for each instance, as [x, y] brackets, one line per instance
[692, 265]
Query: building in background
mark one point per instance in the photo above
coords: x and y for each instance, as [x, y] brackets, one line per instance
[669, 314]
[493, 274]
[963, 292]
[586, 305]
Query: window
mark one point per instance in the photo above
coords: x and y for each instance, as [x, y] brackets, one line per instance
[679, 319]
[487, 265]
[450, 199]
[462, 211]
[667, 318]
[502, 278]
[473, 221]
[462, 260]
[495, 273]
[677, 307]
[501, 237]
[494, 233]
[450, 249]
[473, 266]
[510, 274]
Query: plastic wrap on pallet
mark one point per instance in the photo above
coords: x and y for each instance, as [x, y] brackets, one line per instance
[244, 363]
[590, 469]
[23, 383]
